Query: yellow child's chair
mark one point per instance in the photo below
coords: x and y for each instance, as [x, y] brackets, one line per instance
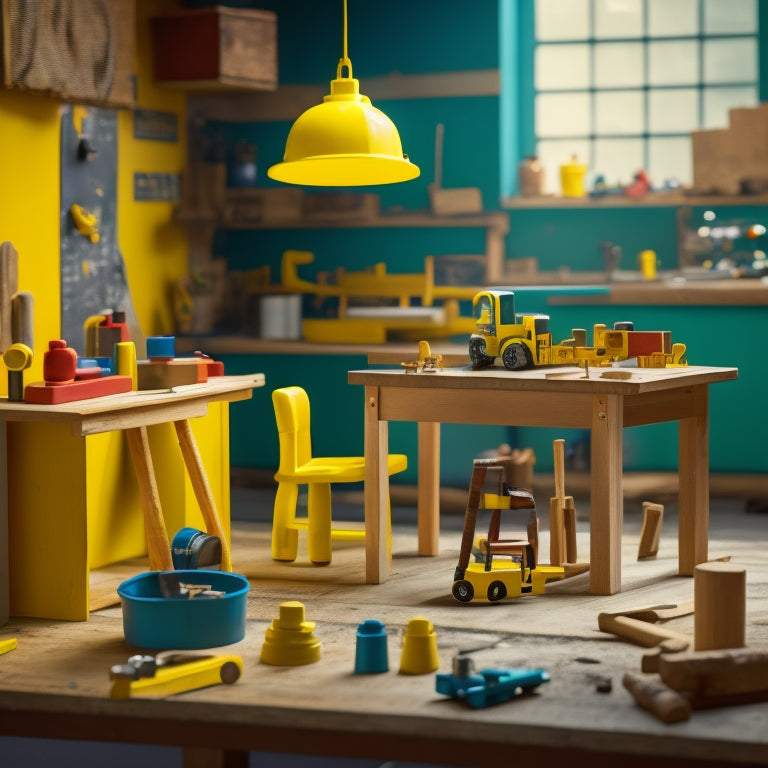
[298, 467]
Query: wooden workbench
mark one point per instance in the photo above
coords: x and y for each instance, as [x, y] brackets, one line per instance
[544, 397]
[74, 503]
[56, 683]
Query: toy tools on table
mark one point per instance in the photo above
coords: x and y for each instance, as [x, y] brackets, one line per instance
[174, 673]
[562, 514]
[489, 686]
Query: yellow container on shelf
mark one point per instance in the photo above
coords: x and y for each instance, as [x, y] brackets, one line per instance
[572, 178]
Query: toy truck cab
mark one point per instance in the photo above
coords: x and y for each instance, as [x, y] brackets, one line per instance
[521, 340]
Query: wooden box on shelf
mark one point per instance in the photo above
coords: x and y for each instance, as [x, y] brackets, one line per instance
[216, 47]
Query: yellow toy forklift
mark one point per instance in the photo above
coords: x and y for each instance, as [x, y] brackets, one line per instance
[503, 567]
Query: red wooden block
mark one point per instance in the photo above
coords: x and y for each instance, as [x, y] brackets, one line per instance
[41, 393]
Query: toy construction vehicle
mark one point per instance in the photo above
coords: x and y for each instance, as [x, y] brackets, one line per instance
[503, 567]
[525, 341]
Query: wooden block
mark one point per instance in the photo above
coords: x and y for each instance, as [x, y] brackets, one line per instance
[171, 373]
[713, 677]
[653, 514]
[452, 202]
[231, 47]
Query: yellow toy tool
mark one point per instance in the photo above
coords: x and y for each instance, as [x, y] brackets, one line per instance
[158, 676]
[86, 222]
[7, 645]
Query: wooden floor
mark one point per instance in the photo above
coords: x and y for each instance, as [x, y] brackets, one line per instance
[399, 717]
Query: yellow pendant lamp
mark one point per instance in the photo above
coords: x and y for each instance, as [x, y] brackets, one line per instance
[345, 141]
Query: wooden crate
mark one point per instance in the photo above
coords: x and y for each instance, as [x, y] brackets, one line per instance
[216, 46]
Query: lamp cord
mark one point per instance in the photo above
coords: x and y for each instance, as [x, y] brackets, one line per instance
[344, 60]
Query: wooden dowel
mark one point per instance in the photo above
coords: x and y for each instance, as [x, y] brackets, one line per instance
[158, 547]
[201, 488]
[719, 597]
[559, 453]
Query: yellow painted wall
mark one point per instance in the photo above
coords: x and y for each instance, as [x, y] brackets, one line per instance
[155, 248]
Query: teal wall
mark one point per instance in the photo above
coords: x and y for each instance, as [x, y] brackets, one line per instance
[421, 37]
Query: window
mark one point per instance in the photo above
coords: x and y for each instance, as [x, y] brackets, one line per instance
[621, 84]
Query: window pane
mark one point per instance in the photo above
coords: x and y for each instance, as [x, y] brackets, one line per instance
[619, 112]
[562, 66]
[618, 65]
[717, 102]
[673, 62]
[618, 18]
[553, 154]
[673, 110]
[562, 19]
[669, 19]
[722, 17]
[670, 158]
[730, 60]
[618, 159]
[562, 114]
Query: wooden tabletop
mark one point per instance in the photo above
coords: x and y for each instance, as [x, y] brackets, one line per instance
[130, 409]
[56, 683]
[548, 379]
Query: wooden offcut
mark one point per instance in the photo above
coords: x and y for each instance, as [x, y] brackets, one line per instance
[653, 514]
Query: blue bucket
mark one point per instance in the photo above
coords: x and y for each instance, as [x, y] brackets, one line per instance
[162, 623]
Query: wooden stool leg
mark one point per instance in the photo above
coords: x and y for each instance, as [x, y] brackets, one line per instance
[201, 488]
[157, 538]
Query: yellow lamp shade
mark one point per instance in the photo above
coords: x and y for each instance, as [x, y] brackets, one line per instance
[343, 142]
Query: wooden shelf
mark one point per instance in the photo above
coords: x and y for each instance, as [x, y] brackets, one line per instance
[653, 200]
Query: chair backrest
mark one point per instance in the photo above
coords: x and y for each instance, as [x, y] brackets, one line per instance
[293, 427]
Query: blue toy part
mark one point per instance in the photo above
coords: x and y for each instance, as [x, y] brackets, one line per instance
[161, 347]
[193, 549]
[490, 686]
[371, 649]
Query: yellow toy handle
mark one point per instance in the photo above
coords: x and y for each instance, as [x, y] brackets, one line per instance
[18, 357]
[85, 221]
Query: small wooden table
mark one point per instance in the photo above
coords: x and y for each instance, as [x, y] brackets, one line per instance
[58, 520]
[551, 397]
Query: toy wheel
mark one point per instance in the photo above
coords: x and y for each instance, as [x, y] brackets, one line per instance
[477, 355]
[229, 672]
[463, 591]
[516, 356]
[496, 591]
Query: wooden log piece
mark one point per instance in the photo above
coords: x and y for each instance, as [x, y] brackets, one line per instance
[656, 697]
[712, 678]
[719, 596]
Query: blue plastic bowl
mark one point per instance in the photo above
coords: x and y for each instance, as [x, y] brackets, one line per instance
[162, 623]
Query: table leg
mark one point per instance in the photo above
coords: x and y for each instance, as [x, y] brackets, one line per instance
[606, 499]
[376, 494]
[201, 488]
[157, 538]
[693, 463]
[429, 488]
